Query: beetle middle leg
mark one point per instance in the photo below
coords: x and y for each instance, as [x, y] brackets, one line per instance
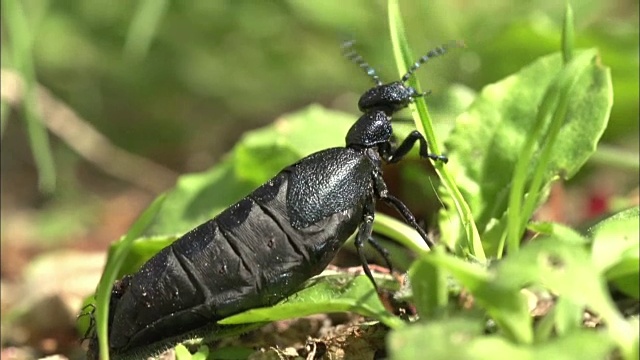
[394, 202]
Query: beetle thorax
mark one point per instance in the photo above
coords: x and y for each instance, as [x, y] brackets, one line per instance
[371, 129]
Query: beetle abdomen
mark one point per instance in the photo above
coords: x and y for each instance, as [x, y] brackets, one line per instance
[249, 256]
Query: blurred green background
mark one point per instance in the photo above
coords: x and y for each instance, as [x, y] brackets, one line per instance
[178, 82]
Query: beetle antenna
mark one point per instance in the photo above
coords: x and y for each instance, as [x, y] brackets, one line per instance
[350, 53]
[440, 50]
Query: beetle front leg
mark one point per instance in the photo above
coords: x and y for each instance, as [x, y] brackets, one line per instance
[395, 155]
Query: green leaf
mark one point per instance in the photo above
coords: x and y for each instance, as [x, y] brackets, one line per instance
[263, 152]
[324, 294]
[561, 231]
[564, 268]
[543, 155]
[616, 250]
[257, 157]
[429, 286]
[567, 316]
[462, 338]
[197, 198]
[501, 119]
[444, 339]
[182, 353]
[504, 303]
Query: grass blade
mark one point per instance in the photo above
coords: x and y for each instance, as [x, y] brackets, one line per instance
[404, 59]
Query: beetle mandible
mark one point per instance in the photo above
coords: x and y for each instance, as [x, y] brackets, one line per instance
[263, 248]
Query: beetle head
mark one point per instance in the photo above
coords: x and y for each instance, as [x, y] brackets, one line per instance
[389, 98]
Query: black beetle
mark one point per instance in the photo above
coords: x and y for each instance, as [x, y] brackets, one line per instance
[263, 248]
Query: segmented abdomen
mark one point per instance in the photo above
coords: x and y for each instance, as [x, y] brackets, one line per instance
[248, 256]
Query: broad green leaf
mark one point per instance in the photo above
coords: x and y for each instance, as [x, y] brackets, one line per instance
[562, 267]
[182, 353]
[440, 339]
[567, 316]
[616, 250]
[537, 163]
[263, 152]
[500, 119]
[503, 302]
[565, 269]
[429, 286]
[257, 157]
[197, 198]
[561, 231]
[324, 294]
[461, 338]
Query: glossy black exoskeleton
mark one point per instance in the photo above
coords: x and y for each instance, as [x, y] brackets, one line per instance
[263, 248]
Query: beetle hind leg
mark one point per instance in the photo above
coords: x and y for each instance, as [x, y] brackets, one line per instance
[383, 252]
[394, 202]
[363, 236]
